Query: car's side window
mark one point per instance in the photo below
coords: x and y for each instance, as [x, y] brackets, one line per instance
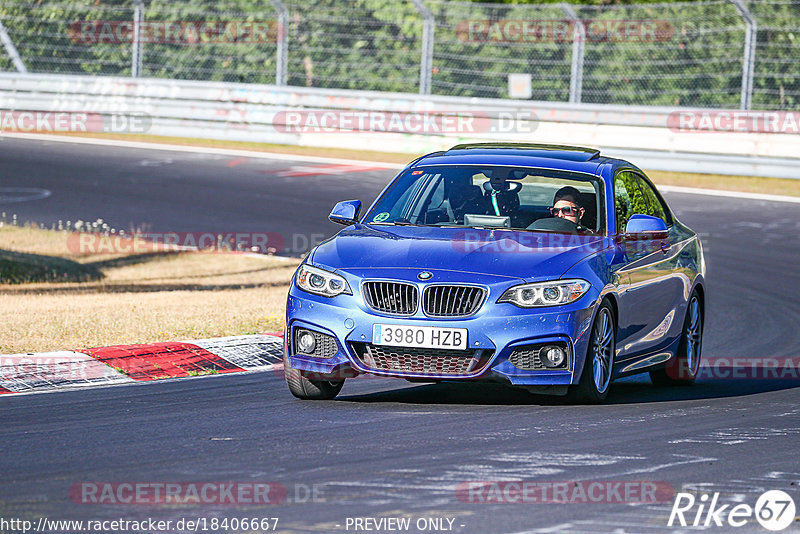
[628, 198]
[654, 205]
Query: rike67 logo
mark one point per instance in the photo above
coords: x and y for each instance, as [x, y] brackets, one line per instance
[774, 510]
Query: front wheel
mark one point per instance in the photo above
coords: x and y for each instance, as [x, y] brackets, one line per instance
[683, 368]
[599, 362]
[305, 388]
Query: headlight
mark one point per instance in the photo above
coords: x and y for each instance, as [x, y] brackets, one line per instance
[321, 282]
[537, 294]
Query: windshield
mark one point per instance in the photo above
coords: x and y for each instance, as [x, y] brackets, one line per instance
[474, 196]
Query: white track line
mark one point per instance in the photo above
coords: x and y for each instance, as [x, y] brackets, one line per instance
[202, 150]
[729, 194]
[322, 159]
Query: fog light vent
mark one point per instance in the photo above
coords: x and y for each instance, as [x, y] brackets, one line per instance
[310, 343]
[541, 357]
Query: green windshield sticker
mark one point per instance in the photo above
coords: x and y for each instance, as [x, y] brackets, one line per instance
[381, 216]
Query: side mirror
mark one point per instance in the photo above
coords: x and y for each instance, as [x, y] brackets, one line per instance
[345, 212]
[641, 227]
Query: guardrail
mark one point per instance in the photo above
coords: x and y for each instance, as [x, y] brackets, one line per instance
[652, 136]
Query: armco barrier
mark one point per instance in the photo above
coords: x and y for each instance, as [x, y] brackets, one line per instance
[250, 112]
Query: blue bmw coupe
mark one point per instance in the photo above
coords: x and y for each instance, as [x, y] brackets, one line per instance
[550, 268]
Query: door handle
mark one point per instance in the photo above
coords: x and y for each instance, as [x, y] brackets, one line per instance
[665, 247]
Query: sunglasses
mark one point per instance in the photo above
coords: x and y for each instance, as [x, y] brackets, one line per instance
[569, 211]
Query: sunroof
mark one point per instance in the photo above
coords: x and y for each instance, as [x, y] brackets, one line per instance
[572, 153]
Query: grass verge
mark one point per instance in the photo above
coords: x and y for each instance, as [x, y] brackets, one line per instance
[139, 298]
[21, 267]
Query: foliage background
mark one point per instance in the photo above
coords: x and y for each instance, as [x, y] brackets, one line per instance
[376, 45]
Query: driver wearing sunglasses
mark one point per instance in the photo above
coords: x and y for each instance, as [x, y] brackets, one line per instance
[565, 205]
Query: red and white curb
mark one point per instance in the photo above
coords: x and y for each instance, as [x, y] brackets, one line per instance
[120, 364]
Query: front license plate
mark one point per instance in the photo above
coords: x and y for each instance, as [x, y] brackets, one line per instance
[429, 337]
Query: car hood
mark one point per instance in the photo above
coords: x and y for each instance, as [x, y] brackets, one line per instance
[533, 256]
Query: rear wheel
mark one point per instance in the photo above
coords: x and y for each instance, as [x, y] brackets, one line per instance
[306, 388]
[599, 362]
[683, 368]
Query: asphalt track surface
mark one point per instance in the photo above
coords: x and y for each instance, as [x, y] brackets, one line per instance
[387, 448]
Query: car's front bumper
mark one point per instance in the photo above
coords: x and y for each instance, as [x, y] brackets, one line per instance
[497, 329]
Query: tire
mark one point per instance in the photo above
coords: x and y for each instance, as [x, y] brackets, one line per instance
[305, 388]
[682, 369]
[598, 365]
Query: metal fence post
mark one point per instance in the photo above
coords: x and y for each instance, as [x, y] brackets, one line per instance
[578, 40]
[426, 61]
[136, 54]
[749, 59]
[282, 51]
[12, 50]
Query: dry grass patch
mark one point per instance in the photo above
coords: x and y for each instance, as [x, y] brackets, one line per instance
[33, 239]
[64, 321]
[141, 298]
